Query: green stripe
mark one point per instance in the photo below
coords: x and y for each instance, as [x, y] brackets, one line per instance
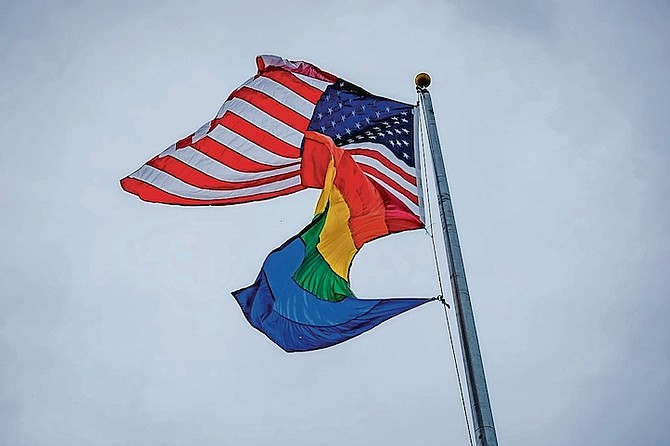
[315, 274]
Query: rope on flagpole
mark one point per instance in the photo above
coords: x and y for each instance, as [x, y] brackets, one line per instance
[441, 297]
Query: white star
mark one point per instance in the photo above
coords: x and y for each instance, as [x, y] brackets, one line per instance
[404, 120]
[387, 109]
[376, 128]
[339, 104]
[358, 125]
[359, 137]
[395, 118]
[403, 113]
[350, 141]
[405, 155]
[363, 107]
[389, 132]
[320, 115]
[367, 120]
[378, 114]
[330, 111]
[353, 112]
[405, 142]
[338, 136]
[333, 122]
[344, 118]
[392, 143]
[327, 97]
[398, 131]
[381, 134]
[348, 131]
[373, 137]
[405, 130]
[323, 129]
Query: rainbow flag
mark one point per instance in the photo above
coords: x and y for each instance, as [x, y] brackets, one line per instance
[301, 299]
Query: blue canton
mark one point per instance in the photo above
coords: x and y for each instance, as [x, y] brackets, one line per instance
[351, 115]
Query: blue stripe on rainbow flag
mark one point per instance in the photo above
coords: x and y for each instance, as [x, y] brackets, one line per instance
[297, 320]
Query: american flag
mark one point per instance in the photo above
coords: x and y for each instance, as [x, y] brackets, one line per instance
[251, 150]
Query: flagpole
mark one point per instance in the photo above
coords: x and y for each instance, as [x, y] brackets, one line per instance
[480, 405]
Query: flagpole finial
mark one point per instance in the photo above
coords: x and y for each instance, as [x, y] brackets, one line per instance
[422, 80]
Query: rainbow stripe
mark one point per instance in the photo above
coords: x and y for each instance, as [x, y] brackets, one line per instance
[352, 209]
[301, 299]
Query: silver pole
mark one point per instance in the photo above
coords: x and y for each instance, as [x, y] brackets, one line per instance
[480, 406]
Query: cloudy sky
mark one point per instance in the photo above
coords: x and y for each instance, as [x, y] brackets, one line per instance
[116, 322]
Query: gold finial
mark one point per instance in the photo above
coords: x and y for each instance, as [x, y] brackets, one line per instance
[422, 80]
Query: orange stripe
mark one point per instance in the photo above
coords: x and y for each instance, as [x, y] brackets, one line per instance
[366, 208]
[373, 210]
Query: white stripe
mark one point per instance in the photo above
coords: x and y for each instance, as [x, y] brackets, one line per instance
[175, 186]
[371, 162]
[284, 95]
[223, 108]
[321, 85]
[200, 133]
[220, 171]
[264, 121]
[247, 148]
[406, 201]
[381, 148]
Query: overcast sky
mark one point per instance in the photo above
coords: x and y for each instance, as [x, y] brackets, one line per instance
[116, 322]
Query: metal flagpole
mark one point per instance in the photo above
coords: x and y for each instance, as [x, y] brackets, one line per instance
[484, 430]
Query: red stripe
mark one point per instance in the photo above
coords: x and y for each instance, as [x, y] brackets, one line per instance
[295, 66]
[298, 86]
[235, 160]
[398, 216]
[194, 177]
[390, 183]
[257, 135]
[272, 107]
[148, 192]
[184, 142]
[385, 161]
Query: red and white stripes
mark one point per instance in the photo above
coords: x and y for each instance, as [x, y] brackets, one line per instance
[380, 164]
[249, 152]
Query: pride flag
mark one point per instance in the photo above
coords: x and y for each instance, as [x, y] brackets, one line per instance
[301, 299]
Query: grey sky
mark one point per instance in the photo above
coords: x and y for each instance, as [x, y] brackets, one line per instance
[116, 322]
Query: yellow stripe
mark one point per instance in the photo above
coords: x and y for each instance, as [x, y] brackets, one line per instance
[327, 187]
[336, 243]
